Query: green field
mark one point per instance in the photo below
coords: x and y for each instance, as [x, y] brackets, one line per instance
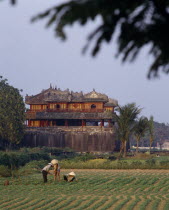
[95, 189]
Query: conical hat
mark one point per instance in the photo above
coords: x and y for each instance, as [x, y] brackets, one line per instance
[54, 161]
[72, 173]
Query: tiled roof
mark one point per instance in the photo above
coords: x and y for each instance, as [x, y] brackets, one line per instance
[57, 95]
[75, 115]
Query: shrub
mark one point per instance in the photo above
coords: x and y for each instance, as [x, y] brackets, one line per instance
[4, 171]
[16, 159]
[32, 167]
[136, 164]
[164, 164]
[121, 164]
[150, 163]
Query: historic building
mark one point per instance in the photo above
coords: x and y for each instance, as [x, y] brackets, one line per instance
[54, 107]
[83, 122]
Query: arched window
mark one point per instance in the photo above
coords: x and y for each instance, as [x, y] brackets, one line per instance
[57, 106]
[93, 106]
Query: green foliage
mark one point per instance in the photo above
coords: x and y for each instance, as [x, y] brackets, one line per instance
[151, 163]
[140, 128]
[95, 189]
[164, 164]
[4, 171]
[151, 130]
[125, 123]
[16, 159]
[34, 166]
[12, 113]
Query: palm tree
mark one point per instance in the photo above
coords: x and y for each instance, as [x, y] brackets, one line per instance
[125, 124]
[151, 130]
[140, 128]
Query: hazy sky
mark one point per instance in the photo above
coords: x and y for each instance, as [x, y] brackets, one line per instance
[31, 58]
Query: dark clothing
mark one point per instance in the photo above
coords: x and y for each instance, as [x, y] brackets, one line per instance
[68, 178]
[44, 174]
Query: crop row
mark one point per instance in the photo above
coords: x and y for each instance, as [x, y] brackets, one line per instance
[90, 202]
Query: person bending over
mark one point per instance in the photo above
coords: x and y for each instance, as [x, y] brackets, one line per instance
[70, 177]
[45, 171]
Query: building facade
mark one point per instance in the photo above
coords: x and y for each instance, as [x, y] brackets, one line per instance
[54, 107]
[82, 122]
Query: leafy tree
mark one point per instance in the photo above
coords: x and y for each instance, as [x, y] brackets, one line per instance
[140, 129]
[12, 115]
[151, 131]
[125, 124]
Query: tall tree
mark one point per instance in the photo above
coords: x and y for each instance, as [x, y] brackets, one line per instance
[151, 130]
[140, 129]
[12, 113]
[125, 124]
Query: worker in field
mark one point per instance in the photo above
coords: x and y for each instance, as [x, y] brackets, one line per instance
[58, 173]
[45, 171]
[56, 169]
[70, 177]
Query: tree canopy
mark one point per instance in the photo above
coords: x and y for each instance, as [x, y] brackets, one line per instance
[151, 130]
[136, 24]
[140, 128]
[12, 113]
[125, 120]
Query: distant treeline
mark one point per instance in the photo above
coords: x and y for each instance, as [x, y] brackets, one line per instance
[161, 134]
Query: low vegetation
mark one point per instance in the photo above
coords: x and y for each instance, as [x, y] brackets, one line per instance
[95, 189]
[29, 161]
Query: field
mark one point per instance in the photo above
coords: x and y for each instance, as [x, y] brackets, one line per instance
[95, 189]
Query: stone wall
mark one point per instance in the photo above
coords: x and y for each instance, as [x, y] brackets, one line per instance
[82, 139]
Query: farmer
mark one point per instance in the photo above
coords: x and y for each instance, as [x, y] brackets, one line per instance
[70, 177]
[56, 169]
[58, 172]
[45, 171]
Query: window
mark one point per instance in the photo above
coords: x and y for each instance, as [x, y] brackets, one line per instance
[57, 106]
[93, 106]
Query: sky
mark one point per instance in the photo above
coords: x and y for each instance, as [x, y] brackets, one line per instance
[32, 58]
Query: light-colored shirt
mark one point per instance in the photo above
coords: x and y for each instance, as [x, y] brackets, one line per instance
[46, 168]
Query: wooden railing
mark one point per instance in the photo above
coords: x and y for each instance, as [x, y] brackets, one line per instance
[66, 110]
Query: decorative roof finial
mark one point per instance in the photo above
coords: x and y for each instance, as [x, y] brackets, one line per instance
[94, 90]
[50, 86]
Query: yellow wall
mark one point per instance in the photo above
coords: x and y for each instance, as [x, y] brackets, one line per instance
[74, 106]
[98, 105]
[38, 107]
[35, 123]
[71, 106]
[109, 109]
[44, 106]
[35, 107]
[53, 105]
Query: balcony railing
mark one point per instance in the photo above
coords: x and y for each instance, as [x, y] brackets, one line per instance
[65, 110]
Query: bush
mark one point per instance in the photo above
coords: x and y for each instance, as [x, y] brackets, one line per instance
[121, 164]
[164, 164]
[32, 167]
[16, 159]
[136, 164]
[4, 171]
[150, 163]
[112, 158]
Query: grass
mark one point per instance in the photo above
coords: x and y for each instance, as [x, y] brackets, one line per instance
[95, 189]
